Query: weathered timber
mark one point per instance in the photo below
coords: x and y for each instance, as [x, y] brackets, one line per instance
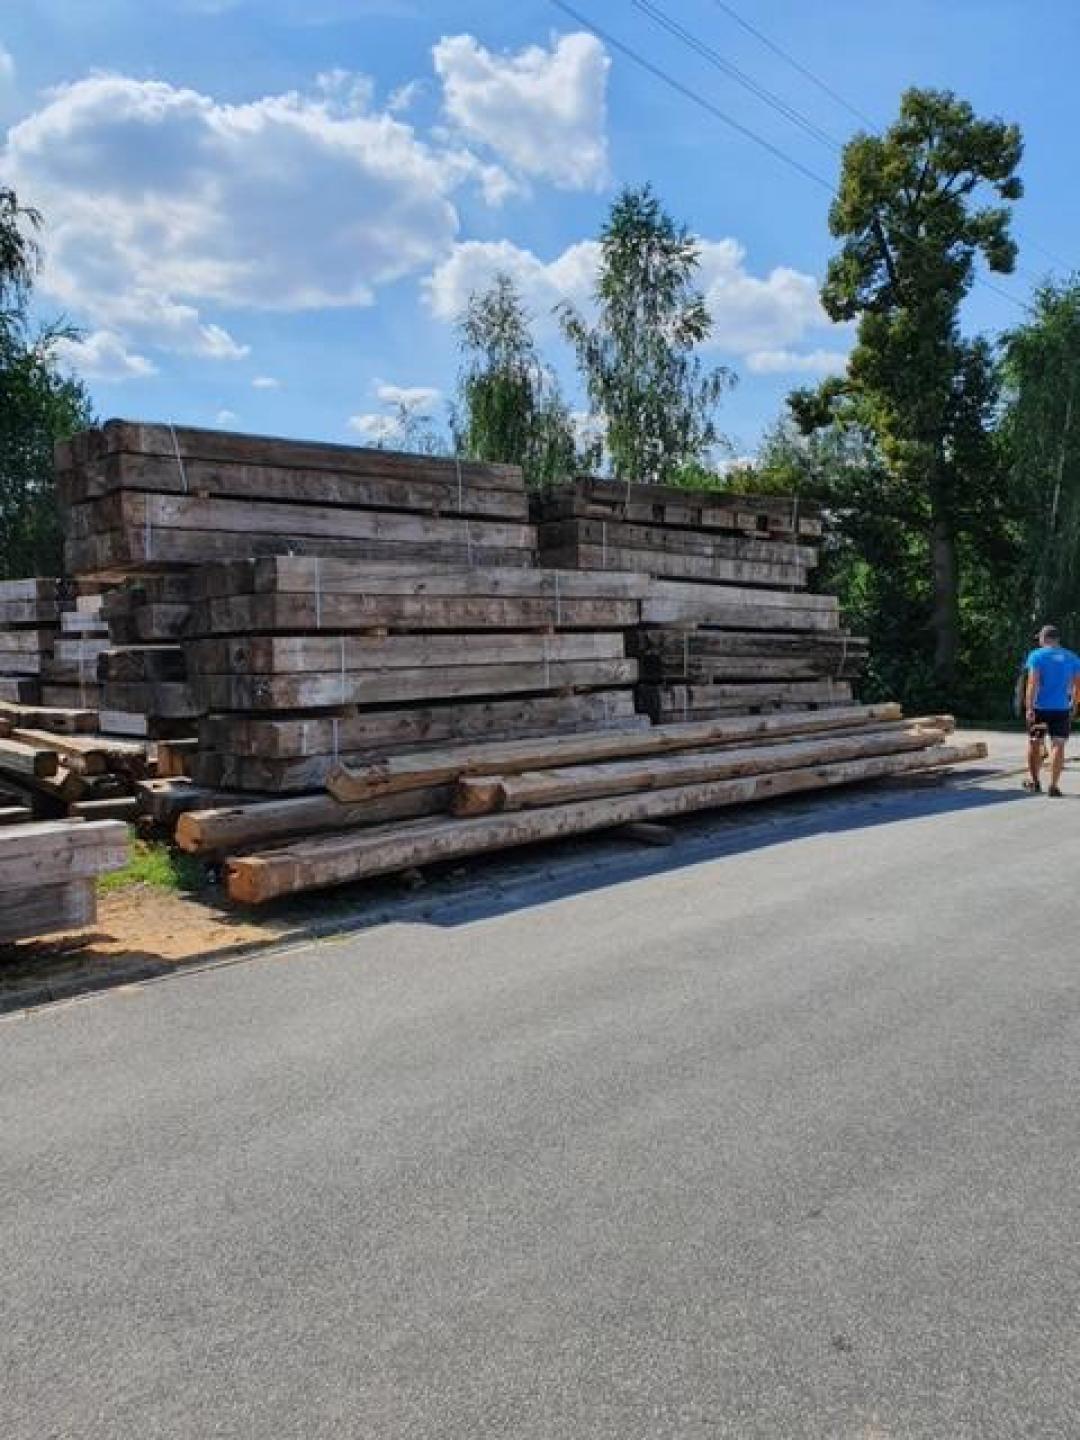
[707, 643]
[90, 754]
[180, 444]
[280, 614]
[718, 570]
[46, 717]
[164, 800]
[173, 757]
[711, 670]
[294, 485]
[21, 662]
[35, 640]
[356, 855]
[19, 690]
[115, 807]
[71, 697]
[32, 612]
[299, 692]
[616, 535]
[34, 910]
[295, 654]
[375, 732]
[36, 587]
[391, 773]
[52, 851]
[481, 794]
[304, 574]
[143, 662]
[673, 701]
[167, 699]
[20, 759]
[676, 507]
[241, 827]
[15, 814]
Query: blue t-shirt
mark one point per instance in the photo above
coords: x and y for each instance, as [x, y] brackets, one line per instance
[1056, 668]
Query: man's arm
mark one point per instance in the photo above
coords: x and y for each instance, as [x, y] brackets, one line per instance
[1033, 691]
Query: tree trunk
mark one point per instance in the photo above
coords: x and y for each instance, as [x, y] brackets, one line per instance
[945, 614]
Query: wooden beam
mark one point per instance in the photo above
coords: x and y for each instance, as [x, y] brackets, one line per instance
[392, 772]
[34, 762]
[35, 910]
[356, 855]
[50, 851]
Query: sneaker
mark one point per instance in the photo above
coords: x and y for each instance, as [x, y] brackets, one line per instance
[1033, 787]
[1055, 793]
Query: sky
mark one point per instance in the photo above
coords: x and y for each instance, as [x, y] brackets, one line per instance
[268, 214]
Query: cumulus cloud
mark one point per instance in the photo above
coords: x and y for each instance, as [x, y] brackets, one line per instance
[103, 355]
[808, 362]
[225, 417]
[753, 316]
[163, 201]
[265, 382]
[472, 265]
[377, 428]
[543, 112]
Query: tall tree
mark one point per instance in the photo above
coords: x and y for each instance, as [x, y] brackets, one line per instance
[653, 394]
[38, 406]
[1039, 439]
[511, 410]
[916, 208]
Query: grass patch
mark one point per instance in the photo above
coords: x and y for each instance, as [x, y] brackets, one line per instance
[153, 862]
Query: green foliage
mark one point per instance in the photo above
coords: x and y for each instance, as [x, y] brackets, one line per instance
[38, 406]
[656, 399]
[916, 207]
[154, 863]
[511, 408]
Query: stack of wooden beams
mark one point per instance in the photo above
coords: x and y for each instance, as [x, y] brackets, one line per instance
[528, 791]
[140, 497]
[300, 662]
[69, 675]
[29, 625]
[47, 872]
[679, 534]
[709, 650]
[67, 770]
[143, 671]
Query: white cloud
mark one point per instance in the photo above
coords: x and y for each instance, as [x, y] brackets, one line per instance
[405, 96]
[103, 355]
[379, 429]
[265, 382]
[473, 264]
[162, 201]
[413, 397]
[809, 362]
[753, 316]
[542, 111]
[225, 417]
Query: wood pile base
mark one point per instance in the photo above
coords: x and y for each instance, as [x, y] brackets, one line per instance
[47, 873]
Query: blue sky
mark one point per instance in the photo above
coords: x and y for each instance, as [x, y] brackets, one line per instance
[265, 213]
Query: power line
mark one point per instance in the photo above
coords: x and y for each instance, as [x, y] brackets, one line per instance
[852, 109]
[737, 125]
[726, 67]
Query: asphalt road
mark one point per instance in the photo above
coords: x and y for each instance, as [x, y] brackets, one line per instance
[781, 1143]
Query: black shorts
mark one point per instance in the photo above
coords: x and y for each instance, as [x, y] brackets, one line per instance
[1054, 723]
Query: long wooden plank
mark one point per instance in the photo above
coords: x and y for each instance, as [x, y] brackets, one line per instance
[711, 597]
[115, 554]
[293, 654]
[357, 855]
[35, 640]
[664, 563]
[672, 701]
[299, 692]
[291, 484]
[182, 443]
[31, 612]
[35, 910]
[21, 662]
[392, 772]
[481, 794]
[240, 827]
[620, 535]
[169, 699]
[714, 670]
[143, 662]
[370, 733]
[251, 614]
[722, 643]
[47, 717]
[303, 574]
[90, 754]
[35, 587]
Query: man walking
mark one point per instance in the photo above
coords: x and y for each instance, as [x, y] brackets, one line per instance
[1053, 689]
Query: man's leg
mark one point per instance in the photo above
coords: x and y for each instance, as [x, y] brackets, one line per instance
[1057, 763]
[1036, 750]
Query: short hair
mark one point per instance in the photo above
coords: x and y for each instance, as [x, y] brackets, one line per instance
[1049, 635]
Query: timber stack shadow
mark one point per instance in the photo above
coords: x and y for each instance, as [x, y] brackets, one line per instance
[313, 663]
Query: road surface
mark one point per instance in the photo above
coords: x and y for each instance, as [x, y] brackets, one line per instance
[777, 1142]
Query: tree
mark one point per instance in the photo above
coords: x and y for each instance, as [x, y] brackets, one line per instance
[1040, 446]
[654, 396]
[915, 211]
[38, 406]
[511, 410]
